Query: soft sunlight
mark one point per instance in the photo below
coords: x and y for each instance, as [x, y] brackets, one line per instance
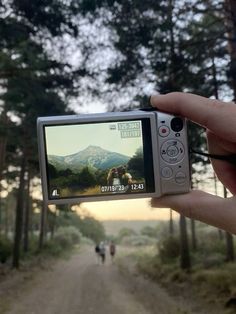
[138, 209]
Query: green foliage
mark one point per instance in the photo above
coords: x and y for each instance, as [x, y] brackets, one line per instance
[87, 178]
[86, 241]
[83, 179]
[53, 248]
[125, 232]
[135, 165]
[88, 226]
[5, 249]
[217, 280]
[92, 229]
[138, 240]
[169, 249]
[149, 231]
[66, 237]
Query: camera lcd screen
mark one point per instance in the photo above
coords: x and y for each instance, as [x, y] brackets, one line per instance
[100, 158]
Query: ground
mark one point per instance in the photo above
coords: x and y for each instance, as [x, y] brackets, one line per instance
[80, 285]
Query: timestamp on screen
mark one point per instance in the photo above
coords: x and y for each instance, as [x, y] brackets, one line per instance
[112, 188]
[137, 186]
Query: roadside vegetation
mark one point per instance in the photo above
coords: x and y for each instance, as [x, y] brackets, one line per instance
[69, 232]
[211, 279]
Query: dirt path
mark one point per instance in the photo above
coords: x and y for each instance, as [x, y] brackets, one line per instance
[79, 286]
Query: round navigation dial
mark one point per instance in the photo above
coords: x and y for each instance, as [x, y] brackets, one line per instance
[172, 151]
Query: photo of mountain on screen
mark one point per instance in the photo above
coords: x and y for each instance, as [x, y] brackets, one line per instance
[95, 159]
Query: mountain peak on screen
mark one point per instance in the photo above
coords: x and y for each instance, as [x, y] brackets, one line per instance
[92, 156]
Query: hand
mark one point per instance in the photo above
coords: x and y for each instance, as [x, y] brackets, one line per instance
[219, 119]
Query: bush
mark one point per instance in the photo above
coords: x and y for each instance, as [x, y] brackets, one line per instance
[5, 249]
[66, 237]
[52, 248]
[138, 240]
[169, 249]
[86, 241]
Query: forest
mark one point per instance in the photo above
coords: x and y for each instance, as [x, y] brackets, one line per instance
[64, 57]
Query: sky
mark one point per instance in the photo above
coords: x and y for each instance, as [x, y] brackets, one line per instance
[66, 140]
[138, 209]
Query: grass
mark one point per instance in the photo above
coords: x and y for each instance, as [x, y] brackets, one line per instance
[215, 285]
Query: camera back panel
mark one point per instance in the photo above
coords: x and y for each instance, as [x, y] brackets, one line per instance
[112, 156]
[173, 150]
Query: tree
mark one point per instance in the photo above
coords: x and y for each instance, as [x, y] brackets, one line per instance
[230, 23]
[229, 240]
[86, 224]
[125, 232]
[34, 83]
[149, 231]
[135, 164]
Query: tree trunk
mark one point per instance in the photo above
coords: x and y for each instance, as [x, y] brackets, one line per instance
[19, 217]
[230, 22]
[3, 143]
[43, 225]
[229, 241]
[193, 233]
[185, 262]
[26, 216]
[171, 223]
[230, 247]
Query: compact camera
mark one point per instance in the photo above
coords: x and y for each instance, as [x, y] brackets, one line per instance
[115, 155]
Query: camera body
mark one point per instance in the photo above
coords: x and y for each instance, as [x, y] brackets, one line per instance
[114, 155]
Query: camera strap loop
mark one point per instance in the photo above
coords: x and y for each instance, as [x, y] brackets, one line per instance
[229, 158]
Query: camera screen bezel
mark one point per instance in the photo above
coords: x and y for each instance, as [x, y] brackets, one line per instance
[150, 153]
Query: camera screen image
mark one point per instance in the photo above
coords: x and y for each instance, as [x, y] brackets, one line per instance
[99, 158]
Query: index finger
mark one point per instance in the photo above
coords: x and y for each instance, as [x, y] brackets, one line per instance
[215, 115]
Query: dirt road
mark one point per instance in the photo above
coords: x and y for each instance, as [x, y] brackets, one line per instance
[80, 286]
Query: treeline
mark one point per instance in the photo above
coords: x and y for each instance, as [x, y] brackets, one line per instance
[90, 177]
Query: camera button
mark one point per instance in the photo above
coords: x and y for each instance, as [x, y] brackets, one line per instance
[164, 131]
[166, 172]
[172, 151]
[180, 177]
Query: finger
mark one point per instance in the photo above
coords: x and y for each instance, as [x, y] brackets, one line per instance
[226, 172]
[210, 209]
[218, 116]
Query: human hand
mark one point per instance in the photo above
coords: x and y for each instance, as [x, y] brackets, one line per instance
[219, 119]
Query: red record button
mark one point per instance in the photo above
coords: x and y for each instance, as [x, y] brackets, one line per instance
[164, 131]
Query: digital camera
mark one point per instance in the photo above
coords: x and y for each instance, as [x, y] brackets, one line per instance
[114, 155]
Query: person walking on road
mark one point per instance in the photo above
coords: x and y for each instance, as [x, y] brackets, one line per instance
[112, 250]
[97, 252]
[102, 252]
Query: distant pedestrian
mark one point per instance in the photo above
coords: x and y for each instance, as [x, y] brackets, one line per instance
[97, 252]
[102, 252]
[112, 250]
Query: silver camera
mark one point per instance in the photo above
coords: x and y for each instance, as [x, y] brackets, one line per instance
[109, 156]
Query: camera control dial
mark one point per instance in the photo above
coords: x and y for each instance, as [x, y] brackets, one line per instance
[172, 151]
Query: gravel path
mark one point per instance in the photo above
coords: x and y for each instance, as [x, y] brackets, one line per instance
[80, 286]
